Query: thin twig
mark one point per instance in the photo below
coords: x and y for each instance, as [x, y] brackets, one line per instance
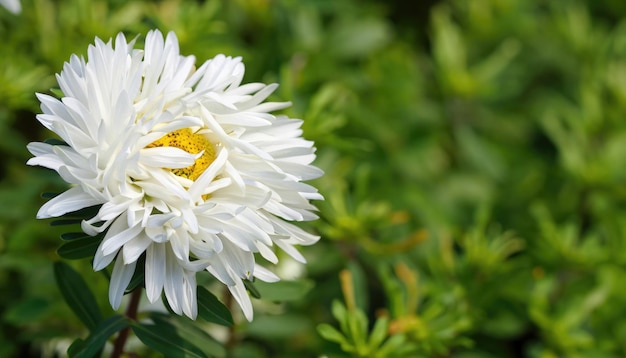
[131, 313]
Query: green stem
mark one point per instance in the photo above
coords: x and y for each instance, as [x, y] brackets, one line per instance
[131, 313]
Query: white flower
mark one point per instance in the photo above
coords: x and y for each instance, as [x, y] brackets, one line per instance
[13, 6]
[188, 164]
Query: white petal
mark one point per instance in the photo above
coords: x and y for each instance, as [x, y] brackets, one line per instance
[71, 200]
[267, 253]
[209, 174]
[290, 250]
[173, 283]
[101, 261]
[264, 274]
[190, 301]
[155, 271]
[167, 157]
[114, 241]
[241, 296]
[134, 248]
[120, 278]
[13, 6]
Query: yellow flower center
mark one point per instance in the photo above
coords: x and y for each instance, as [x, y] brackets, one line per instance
[192, 143]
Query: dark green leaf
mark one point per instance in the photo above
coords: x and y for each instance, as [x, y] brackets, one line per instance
[252, 289]
[79, 248]
[77, 295]
[163, 337]
[27, 310]
[65, 222]
[84, 213]
[192, 333]
[54, 141]
[49, 195]
[69, 236]
[284, 290]
[77, 346]
[99, 336]
[212, 310]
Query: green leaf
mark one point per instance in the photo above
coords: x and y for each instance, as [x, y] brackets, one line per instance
[250, 286]
[285, 326]
[26, 310]
[164, 338]
[54, 141]
[69, 236]
[212, 310]
[77, 295]
[359, 284]
[57, 92]
[77, 346]
[62, 222]
[339, 311]
[49, 195]
[379, 333]
[394, 344]
[283, 291]
[84, 213]
[192, 333]
[330, 333]
[79, 248]
[98, 337]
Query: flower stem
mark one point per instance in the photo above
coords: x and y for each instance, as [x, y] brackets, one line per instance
[131, 313]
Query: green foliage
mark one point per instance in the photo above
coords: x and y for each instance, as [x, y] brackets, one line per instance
[474, 185]
[77, 295]
[212, 310]
[96, 340]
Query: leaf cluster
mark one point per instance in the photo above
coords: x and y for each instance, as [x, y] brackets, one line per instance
[474, 179]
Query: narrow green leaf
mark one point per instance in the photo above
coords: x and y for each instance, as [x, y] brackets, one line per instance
[49, 195]
[192, 333]
[359, 284]
[283, 291]
[330, 333]
[393, 345]
[77, 346]
[250, 286]
[379, 333]
[163, 337]
[79, 248]
[69, 236]
[57, 92]
[54, 141]
[99, 336]
[62, 222]
[84, 213]
[77, 295]
[212, 310]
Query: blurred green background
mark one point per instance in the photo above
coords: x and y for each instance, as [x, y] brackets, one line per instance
[474, 153]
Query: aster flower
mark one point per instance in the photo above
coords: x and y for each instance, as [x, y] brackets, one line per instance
[188, 165]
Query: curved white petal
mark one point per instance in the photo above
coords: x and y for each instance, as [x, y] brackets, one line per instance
[71, 200]
[120, 278]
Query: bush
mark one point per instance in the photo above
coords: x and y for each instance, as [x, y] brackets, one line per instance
[475, 199]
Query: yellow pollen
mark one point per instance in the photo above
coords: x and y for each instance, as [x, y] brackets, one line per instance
[191, 143]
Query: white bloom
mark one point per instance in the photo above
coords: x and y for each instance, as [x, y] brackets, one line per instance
[13, 6]
[188, 164]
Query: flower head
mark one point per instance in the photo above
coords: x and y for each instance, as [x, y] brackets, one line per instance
[187, 164]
